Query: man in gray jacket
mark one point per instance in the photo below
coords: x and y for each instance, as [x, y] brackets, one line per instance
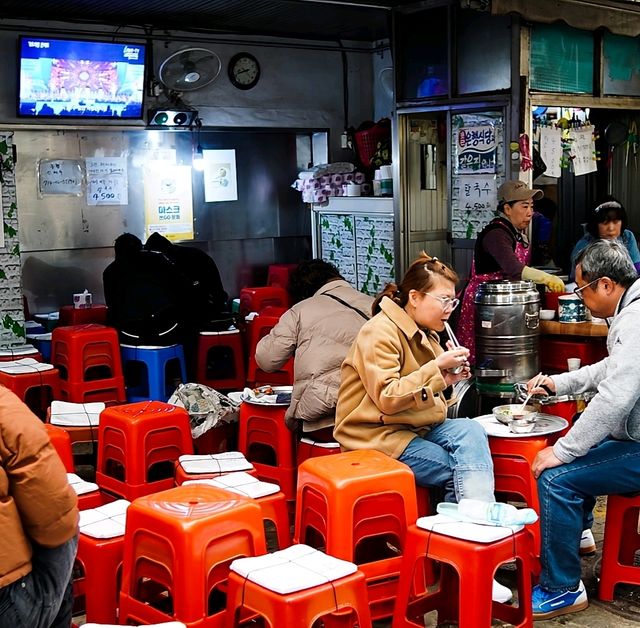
[600, 454]
[318, 330]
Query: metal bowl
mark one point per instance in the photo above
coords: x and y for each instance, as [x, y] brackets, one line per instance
[522, 426]
[510, 411]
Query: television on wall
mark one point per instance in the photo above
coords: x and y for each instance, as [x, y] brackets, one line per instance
[77, 78]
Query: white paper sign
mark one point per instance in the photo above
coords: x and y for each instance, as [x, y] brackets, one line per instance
[220, 180]
[476, 149]
[60, 176]
[582, 151]
[107, 181]
[551, 150]
[477, 193]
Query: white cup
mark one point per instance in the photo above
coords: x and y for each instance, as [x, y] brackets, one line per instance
[573, 364]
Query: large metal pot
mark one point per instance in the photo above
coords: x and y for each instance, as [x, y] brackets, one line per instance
[507, 331]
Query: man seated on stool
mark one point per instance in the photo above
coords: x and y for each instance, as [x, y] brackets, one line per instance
[38, 523]
[319, 330]
[600, 455]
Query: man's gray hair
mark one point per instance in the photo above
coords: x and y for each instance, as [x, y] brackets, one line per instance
[607, 258]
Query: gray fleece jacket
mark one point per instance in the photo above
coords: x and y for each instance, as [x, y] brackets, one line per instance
[615, 409]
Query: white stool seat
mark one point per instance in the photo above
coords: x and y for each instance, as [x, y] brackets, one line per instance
[292, 569]
[24, 365]
[241, 483]
[226, 462]
[70, 414]
[465, 530]
[79, 485]
[22, 350]
[314, 443]
[105, 522]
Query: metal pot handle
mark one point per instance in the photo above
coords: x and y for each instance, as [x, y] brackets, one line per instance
[492, 372]
[532, 321]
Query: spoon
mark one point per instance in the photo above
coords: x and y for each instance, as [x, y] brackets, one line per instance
[526, 399]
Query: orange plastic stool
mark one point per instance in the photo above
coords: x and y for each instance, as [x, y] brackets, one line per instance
[278, 274]
[222, 437]
[220, 360]
[178, 548]
[339, 601]
[621, 542]
[465, 589]
[309, 448]
[260, 327]
[360, 503]
[37, 389]
[269, 445]
[88, 358]
[70, 315]
[256, 299]
[138, 444]
[61, 442]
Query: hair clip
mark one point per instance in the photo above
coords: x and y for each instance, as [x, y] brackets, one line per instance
[608, 205]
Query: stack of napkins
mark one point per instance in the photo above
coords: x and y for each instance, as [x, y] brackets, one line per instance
[76, 414]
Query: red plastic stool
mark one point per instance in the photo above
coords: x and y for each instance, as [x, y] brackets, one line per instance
[278, 274]
[9, 354]
[178, 548]
[70, 315]
[466, 577]
[621, 542]
[271, 500]
[360, 504]
[260, 327]
[88, 358]
[256, 299]
[309, 448]
[297, 587]
[220, 360]
[269, 445]
[138, 444]
[37, 389]
[100, 551]
[61, 442]
[223, 437]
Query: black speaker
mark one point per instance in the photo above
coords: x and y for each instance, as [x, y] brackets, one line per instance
[171, 117]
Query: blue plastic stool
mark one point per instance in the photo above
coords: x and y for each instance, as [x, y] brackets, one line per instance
[150, 373]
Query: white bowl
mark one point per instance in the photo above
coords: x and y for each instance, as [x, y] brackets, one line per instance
[547, 315]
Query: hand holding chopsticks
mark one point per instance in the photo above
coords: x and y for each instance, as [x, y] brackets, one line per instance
[454, 341]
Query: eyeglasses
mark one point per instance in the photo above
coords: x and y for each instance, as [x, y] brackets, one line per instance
[578, 291]
[446, 302]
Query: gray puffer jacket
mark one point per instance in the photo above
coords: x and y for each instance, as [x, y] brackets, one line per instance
[615, 410]
[318, 332]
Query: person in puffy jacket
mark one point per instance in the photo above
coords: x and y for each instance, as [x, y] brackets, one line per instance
[38, 523]
[318, 330]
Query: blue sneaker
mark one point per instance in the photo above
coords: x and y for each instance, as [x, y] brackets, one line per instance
[547, 604]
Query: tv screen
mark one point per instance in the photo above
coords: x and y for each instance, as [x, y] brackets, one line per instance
[80, 78]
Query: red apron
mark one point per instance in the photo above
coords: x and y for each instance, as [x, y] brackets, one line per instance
[466, 332]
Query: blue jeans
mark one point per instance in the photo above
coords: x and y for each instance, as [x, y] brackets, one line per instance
[567, 495]
[453, 455]
[42, 598]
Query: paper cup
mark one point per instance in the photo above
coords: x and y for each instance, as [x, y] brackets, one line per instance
[573, 364]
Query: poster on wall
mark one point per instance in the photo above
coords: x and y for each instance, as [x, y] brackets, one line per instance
[168, 201]
[475, 149]
[220, 181]
[551, 151]
[582, 151]
[107, 181]
[60, 176]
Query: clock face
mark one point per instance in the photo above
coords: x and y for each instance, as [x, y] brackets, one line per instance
[244, 70]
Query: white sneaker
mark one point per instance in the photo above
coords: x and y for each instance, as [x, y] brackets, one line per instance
[587, 543]
[500, 593]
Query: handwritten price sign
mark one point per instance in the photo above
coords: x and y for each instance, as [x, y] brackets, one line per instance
[107, 181]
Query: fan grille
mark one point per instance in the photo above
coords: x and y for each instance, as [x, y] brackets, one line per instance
[190, 69]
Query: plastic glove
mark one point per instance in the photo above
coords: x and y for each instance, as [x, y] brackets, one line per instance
[555, 284]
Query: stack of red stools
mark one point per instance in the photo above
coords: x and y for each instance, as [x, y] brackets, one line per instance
[177, 551]
[358, 506]
[278, 274]
[70, 315]
[260, 326]
[37, 389]
[220, 360]
[88, 358]
[61, 442]
[256, 299]
[138, 446]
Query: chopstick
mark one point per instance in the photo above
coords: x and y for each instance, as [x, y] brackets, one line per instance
[524, 403]
[451, 335]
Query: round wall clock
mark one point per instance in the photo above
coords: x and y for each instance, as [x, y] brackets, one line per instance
[244, 70]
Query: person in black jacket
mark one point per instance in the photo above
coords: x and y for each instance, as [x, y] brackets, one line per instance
[208, 300]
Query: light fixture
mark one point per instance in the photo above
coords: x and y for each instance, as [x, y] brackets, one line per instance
[171, 117]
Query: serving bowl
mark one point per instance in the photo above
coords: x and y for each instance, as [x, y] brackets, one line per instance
[547, 315]
[510, 411]
[522, 426]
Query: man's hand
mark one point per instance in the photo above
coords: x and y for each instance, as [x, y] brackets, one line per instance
[545, 459]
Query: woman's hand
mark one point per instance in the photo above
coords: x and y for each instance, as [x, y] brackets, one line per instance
[453, 378]
[545, 386]
[453, 358]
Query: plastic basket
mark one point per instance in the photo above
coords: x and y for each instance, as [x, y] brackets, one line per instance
[367, 140]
